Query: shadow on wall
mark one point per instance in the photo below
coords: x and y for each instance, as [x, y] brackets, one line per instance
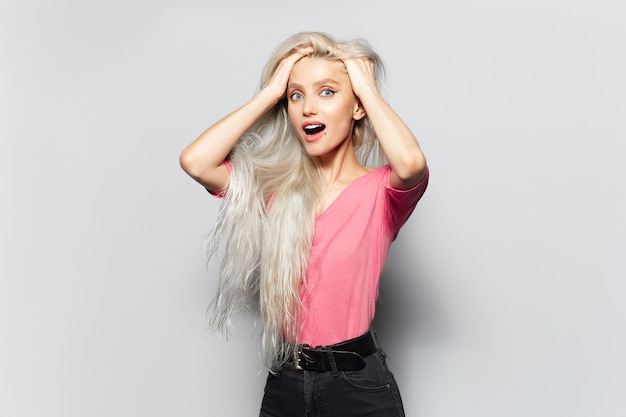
[409, 309]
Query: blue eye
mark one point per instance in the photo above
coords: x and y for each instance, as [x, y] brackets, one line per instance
[327, 92]
[296, 96]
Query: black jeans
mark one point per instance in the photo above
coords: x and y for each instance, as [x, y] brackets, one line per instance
[370, 392]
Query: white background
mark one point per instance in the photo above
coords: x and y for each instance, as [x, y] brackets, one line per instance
[503, 295]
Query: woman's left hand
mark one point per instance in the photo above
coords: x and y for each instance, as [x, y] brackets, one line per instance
[408, 164]
[361, 73]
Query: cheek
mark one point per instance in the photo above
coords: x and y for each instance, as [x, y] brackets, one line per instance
[341, 108]
[342, 114]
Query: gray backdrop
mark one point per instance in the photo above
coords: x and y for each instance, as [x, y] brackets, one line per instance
[503, 295]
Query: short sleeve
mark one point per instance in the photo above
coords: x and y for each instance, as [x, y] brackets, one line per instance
[401, 203]
[221, 193]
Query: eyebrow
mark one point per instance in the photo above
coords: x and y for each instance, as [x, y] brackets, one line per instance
[316, 84]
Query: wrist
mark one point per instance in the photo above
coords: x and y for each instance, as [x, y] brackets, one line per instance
[268, 97]
[367, 91]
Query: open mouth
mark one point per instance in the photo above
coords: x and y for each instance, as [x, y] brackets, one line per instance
[311, 130]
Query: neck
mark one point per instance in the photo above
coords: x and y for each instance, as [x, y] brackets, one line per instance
[341, 165]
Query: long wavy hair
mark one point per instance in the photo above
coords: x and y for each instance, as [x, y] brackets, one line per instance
[265, 224]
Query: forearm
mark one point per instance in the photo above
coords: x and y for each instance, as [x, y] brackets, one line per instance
[401, 148]
[203, 159]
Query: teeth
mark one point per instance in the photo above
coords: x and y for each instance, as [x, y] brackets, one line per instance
[313, 129]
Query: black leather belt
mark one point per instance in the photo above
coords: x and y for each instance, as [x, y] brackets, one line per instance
[348, 355]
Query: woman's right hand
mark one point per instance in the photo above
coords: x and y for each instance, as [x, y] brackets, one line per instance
[277, 84]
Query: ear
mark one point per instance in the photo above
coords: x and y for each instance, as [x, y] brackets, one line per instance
[359, 111]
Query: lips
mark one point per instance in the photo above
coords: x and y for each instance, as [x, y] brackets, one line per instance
[313, 130]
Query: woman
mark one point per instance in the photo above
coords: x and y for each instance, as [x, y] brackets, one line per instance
[305, 225]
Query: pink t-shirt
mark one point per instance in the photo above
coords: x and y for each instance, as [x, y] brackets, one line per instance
[350, 245]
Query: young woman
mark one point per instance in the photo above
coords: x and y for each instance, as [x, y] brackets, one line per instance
[305, 225]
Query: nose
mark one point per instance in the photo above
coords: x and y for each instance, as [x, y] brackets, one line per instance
[309, 107]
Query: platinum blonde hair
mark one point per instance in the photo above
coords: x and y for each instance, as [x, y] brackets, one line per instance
[266, 221]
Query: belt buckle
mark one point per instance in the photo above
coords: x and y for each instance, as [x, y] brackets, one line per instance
[298, 356]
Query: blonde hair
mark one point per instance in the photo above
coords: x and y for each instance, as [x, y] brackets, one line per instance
[265, 224]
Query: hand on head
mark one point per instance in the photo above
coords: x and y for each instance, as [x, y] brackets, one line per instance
[277, 84]
[361, 73]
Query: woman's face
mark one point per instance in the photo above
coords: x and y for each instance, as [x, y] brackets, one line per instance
[321, 105]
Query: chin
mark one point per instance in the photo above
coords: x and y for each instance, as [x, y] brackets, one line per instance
[313, 149]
